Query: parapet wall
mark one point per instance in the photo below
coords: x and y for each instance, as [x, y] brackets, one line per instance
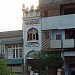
[30, 12]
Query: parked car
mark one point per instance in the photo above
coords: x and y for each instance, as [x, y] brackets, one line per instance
[36, 72]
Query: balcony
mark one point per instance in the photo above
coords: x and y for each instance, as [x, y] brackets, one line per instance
[59, 22]
[14, 61]
[55, 44]
[68, 43]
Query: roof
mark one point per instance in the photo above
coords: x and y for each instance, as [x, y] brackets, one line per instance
[11, 34]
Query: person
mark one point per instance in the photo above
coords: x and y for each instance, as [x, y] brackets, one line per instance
[59, 71]
[31, 73]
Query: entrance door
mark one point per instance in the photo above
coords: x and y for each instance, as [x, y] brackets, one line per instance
[72, 67]
[73, 73]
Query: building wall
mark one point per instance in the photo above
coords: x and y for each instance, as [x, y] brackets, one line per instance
[52, 9]
[49, 1]
[64, 16]
[11, 38]
[46, 41]
[17, 69]
[56, 32]
[57, 8]
[70, 6]
[58, 22]
[54, 1]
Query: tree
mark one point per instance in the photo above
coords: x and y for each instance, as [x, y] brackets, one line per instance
[3, 68]
[48, 62]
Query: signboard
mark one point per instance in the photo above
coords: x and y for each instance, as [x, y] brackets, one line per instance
[69, 53]
[31, 22]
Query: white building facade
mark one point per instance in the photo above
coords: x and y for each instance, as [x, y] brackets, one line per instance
[51, 26]
[55, 25]
[31, 33]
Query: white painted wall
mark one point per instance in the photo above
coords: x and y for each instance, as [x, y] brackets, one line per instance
[56, 32]
[25, 30]
[59, 22]
[10, 53]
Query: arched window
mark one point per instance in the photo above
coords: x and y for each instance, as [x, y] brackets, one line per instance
[32, 34]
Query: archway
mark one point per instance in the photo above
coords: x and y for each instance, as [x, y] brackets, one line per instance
[31, 60]
[32, 34]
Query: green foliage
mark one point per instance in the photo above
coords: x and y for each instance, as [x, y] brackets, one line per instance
[3, 68]
[46, 61]
[39, 60]
[54, 60]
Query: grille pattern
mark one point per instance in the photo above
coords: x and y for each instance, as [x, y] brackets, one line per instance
[46, 42]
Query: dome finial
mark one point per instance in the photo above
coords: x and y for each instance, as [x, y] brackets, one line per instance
[23, 6]
[32, 7]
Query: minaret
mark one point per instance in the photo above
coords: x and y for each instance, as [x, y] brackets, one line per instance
[31, 31]
[23, 8]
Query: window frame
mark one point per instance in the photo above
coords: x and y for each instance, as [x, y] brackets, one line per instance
[32, 34]
[3, 49]
[15, 51]
[57, 37]
[47, 35]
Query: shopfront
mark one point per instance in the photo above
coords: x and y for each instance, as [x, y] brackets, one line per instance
[69, 58]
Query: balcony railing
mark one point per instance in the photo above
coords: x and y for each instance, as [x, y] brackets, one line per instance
[66, 43]
[55, 44]
[14, 61]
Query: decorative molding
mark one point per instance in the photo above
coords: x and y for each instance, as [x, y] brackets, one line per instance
[31, 22]
[32, 45]
[30, 12]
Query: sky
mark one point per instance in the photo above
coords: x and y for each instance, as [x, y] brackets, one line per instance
[11, 13]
